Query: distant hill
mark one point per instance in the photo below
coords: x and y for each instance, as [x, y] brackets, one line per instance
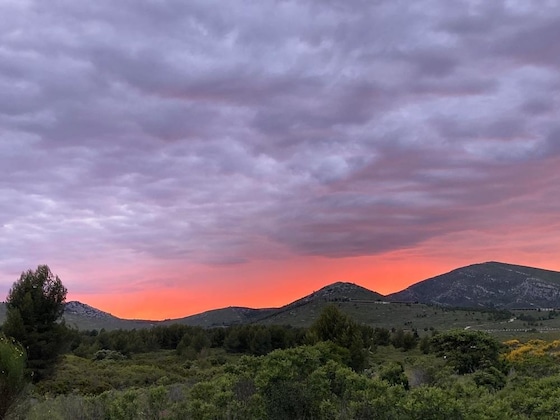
[488, 285]
[303, 308]
[85, 317]
[81, 309]
[340, 291]
[299, 312]
[222, 317]
[304, 311]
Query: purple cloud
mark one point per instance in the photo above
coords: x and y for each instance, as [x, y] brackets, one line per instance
[220, 133]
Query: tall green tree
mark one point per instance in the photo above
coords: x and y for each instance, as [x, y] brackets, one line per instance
[334, 325]
[35, 305]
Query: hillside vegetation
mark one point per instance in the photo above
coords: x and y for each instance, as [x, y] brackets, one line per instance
[273, 372]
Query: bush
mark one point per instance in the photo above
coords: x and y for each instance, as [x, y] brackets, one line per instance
[12, 373]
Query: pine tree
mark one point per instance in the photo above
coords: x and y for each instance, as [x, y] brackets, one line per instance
[35, 305]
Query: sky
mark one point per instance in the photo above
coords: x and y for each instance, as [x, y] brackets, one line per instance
[169, 157]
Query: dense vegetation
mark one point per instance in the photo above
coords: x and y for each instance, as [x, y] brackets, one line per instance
[481, 379]
[335, 369]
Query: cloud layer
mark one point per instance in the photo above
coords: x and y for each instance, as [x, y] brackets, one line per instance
[219, 133]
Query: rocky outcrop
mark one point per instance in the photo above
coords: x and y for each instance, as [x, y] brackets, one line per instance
[81, 309]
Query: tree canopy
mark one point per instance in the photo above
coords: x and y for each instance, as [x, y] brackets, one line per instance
[34, 305]
[467, 351]
[337, 327]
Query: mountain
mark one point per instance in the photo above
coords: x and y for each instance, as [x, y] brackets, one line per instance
[303, 312]
[487, 285]
[222, 317]
[85, 317]
[81, 309]
[337, 292]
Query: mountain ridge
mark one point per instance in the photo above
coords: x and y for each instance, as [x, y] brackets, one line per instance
[492, 285]
[489, 285]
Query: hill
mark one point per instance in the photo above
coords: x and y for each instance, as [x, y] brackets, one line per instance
[299, 312]
[487, 285]
[303, 312]
[84, 317]
[222, 317]
[302, 308]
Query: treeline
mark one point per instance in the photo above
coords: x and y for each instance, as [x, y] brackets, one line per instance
[257, 340]
[188, 340]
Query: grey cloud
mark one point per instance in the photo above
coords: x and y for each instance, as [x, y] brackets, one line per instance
[221, 132]
[494, 128]
[536, 44]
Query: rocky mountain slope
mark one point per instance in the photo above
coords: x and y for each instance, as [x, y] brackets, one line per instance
[303, 311]
[85, 317]
[81, 309]
[488, 285]
[340, 291]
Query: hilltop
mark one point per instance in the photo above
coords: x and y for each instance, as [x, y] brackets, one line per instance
[488, 285]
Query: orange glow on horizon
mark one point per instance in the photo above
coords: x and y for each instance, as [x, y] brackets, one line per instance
[262, 284]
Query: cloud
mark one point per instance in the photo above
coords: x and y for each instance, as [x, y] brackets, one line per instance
[221, 133]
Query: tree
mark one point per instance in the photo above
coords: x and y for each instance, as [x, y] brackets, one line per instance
[334, 325]
[393, 373]
[467, 351]
[34, 305]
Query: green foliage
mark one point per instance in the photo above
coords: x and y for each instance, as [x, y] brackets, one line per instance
[467, 350]
[192, 344]
[491, 378]
[381, 336]
[424, 344]
[188, 341]
[38, 297]
[12, 372]
[311, 381]
[302, 382]
[89, 377]
[394, 374]
[431, 403]
[261, 339]
[404, 340]
[34, 305]
[337, 327]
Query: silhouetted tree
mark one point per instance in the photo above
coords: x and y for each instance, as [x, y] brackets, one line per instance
[35, 304]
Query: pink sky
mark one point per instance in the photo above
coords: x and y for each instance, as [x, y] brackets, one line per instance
[165, 158]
